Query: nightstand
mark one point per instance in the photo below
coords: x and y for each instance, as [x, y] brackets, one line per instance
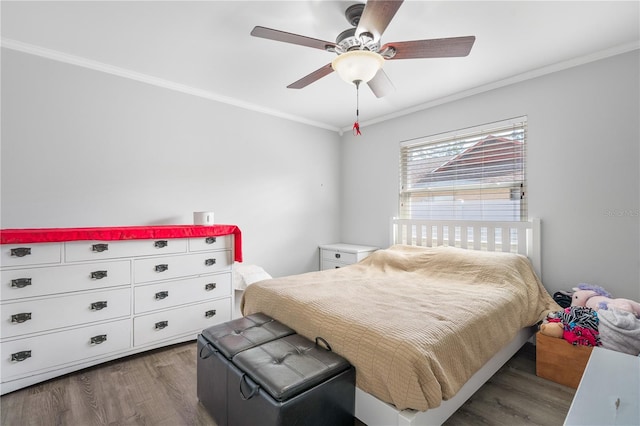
[340, 254]
[609, 392]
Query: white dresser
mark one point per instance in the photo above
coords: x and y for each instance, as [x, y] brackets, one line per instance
[609, 392]
[71, 304]
[338, 255]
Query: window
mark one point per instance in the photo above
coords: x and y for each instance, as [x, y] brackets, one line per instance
[471, 174]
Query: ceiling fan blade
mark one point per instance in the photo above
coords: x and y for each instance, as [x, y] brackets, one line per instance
[434, 48]
[308, 79]
[376, 17]
[286, 37]
[380, 84]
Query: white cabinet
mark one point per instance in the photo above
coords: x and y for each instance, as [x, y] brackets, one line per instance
[340, 254]
[72, 304]
[609, 392]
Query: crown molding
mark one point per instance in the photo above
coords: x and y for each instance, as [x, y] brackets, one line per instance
[152, 80]
[167, 84]
[617, 50]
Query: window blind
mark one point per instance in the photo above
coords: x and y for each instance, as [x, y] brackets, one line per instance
[474, 174]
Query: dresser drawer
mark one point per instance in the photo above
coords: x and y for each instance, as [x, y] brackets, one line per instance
[95, 250]
[33, 316]
[22, 283]
[30, 254]
[171, 267]
[330, 264]
[172, 323]
[168, 294]
[337, 256]
[36, 353]
[210, 243]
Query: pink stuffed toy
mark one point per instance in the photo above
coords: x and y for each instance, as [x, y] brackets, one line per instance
[595, 297]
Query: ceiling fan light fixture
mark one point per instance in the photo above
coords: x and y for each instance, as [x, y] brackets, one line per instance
[357, 65]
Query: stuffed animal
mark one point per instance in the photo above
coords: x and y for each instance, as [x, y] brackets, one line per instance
[595, 297]
[552, 325]
[553, 329]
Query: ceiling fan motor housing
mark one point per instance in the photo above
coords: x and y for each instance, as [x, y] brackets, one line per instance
[347, 41]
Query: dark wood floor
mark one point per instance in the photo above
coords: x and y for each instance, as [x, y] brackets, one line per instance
[516, 396]
[159, 388]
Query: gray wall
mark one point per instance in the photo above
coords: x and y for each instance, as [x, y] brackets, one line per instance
[85, 148]
[583, 168]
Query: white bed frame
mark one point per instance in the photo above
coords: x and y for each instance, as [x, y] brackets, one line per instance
[475, 235]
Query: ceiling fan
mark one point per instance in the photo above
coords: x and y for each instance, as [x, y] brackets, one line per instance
[360, 55]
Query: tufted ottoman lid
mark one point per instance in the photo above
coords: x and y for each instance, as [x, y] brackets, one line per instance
[240, 334]
[289, 366]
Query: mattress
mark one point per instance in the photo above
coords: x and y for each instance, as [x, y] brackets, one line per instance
[416, 322]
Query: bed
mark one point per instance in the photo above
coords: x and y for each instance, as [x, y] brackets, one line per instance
[442, 288]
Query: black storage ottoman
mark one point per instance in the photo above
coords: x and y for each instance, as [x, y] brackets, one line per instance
[217, 345]
[290, 381]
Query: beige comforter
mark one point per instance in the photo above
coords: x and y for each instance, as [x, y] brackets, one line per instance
[415, 322]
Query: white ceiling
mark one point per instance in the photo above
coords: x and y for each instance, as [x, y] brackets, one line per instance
[204, 47]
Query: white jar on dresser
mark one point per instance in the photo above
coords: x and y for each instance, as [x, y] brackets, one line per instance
[77, 302]
[338, 255]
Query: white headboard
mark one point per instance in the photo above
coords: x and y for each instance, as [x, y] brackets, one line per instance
[524, 237]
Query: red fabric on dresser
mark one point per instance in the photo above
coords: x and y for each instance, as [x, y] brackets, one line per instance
[56, 235]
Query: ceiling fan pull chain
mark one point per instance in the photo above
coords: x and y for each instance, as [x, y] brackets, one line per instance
[356, 125]
[356, 129]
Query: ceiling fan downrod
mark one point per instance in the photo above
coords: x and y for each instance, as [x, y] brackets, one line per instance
[347, 40]
[353, 13]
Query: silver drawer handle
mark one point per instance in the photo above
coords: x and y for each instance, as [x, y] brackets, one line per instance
[162, 295]
[96, 306]
[98, 275]
[210, 286]
[21, 317]
[20, 356]
[98, 248]
[161, 244]
[210, 314]
[100, 338]
[20, 282]
[21, 251]
[209, 262]
[161, 324]
[210, 240]
[162, 267]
